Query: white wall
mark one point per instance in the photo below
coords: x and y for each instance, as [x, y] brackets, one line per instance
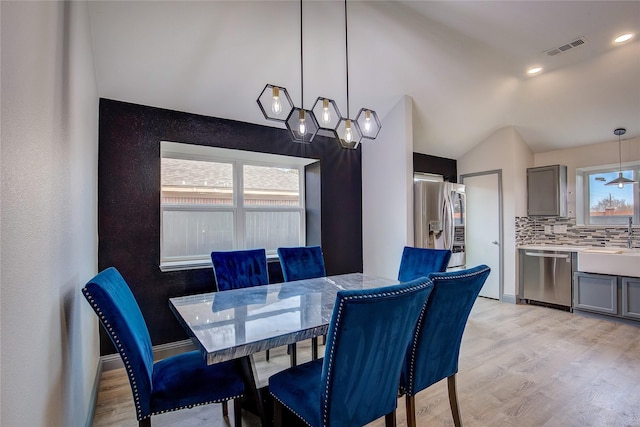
[387, 192]
[48, 214]
[605, 153]
[504, 150]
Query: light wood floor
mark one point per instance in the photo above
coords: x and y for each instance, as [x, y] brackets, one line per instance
[520, 366]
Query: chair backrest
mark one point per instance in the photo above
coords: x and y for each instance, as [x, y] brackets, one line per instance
[433, 353]
[119, 313]
[240, 269]
[304, 262]
[368, 335]
[418, 262]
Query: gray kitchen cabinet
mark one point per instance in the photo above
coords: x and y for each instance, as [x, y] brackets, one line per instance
[611, 295]
[547, 191]
[630, 288]
[595, 292]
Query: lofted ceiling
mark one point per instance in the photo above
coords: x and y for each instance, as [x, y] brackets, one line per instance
[462, 62]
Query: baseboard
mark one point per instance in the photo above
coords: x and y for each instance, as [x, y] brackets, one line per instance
[93, 400]
[511, 299]
[113, 361]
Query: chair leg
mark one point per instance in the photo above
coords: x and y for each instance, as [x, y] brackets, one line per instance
[390, 419]
[410, 402]
[145, 423]
[277, 413]
[237, 412]
[453, 401]
[267, 355]
[225, 409]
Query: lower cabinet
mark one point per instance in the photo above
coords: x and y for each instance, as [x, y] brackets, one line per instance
[612, 295]
[630, 289]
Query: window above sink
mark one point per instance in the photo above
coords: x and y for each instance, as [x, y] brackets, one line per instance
[607, 204]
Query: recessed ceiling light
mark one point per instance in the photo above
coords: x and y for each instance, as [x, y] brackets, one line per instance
[623, 38]
[534, 70]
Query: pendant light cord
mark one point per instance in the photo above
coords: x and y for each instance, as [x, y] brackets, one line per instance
[346, 53]
[301, 64]
[620, 153]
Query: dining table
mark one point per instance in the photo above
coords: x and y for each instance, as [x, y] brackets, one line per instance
[236, 324]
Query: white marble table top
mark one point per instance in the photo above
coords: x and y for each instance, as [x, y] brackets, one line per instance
[231, 324]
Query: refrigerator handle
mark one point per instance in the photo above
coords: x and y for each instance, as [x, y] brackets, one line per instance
[449, 228]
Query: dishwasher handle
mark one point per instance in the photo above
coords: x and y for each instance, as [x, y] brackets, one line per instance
[545, 255]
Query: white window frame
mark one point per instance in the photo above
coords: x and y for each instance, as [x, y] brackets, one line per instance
[583, 207]
[238, 159]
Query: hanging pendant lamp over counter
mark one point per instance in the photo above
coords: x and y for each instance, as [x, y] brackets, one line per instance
[620, 181]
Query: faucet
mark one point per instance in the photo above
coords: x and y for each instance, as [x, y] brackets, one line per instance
[629, 232]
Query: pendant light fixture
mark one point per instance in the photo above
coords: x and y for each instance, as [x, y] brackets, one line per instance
[276, 105]
[620, 181]
[366, 125]
[301, 124]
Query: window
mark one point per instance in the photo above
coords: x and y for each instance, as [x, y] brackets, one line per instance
[609, 204]
[220, 199]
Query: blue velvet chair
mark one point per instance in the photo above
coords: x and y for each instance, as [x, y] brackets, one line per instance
[177, 382]
[239, 269]
[433, 353]
[357, 380]
[303, 262]
[418, 262]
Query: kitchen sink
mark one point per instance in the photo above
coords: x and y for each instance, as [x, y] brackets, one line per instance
[613, 261]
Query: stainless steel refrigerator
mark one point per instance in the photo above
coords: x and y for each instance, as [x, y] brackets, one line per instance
[439, 218]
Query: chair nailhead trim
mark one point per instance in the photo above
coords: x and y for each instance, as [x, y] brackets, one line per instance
[409, 387]
[123, 355]
[194, 405]
[132, 378]
[382, 292]
[286, 406]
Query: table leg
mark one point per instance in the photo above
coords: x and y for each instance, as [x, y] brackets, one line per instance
[293, 355]
[314, 348]
[251, 388]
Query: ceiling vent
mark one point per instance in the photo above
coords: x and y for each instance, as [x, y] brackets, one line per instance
[566, 47]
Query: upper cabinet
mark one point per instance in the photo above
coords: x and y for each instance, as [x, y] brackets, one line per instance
[547, 191]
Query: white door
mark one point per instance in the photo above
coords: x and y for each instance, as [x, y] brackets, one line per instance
[483, 228]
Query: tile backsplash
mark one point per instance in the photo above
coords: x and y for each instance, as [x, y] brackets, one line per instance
[564, 231]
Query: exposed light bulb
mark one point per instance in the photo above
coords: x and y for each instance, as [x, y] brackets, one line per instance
[276, 105]
[367, 121]
[620, 185]
[302, 127]
[348, 134]
[326, 114]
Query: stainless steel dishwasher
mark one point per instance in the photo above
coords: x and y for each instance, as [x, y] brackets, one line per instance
[546, 276]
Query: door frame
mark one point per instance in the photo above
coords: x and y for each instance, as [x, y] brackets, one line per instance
[500, 225]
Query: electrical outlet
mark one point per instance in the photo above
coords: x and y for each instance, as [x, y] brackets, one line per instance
[560, 229]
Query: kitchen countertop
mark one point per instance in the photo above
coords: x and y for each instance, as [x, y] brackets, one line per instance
[577, 248]
[564, 248]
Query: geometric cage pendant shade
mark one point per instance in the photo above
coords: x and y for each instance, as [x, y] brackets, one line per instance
[275, 103]
[323, 119]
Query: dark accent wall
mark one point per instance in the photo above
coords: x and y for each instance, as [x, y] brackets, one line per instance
[448, 168]
[129, 201]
